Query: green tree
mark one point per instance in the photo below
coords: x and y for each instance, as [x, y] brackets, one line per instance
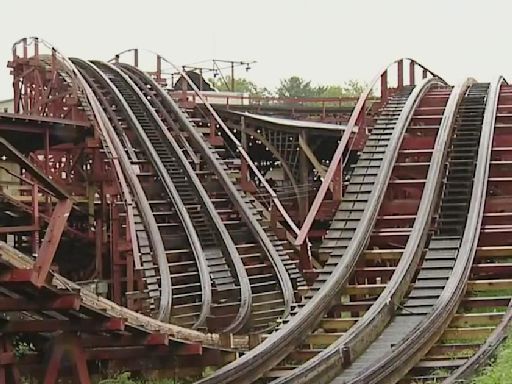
[295, 86]
[354, 88]
[241, 85]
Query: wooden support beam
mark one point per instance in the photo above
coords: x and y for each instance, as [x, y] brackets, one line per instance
[9, 373]
[51, 240]
[16, 276]
[64, 302]
[102, 341]
[51, 325]
[126, 352]
[195, 349]
[311, 157]
[19, 228]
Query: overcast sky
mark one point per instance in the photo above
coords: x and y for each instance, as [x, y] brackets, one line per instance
[326, 41]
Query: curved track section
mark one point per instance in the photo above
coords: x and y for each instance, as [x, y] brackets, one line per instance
[219, 250]
[453, 246]
[372, 178]
[354, 342]
[268, 258]
[189, 276]
[145, 240]
[480, 322]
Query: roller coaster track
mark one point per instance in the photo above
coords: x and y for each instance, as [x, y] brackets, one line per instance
[485, 310]
[271, 259]
[358, 215]
[143, 240]
[163, 163]
[195, 306]
[225, 271]
[146, 231]
[356, 340]
[450, 258]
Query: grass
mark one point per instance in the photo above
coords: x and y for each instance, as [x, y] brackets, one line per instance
[126, 378]
[500, 370]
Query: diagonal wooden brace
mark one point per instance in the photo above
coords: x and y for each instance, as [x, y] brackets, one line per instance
[51, 240]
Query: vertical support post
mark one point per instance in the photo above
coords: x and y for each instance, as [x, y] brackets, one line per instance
[425, 73]
[159, 69]
[36, 49]
[303, 201]
[213, 129]
[25, 52]
[232, 76]
[71, 346]
[47, 164]
[136, 58]
[35, 219]
[274, 212]
[99, 245]
[384, 87]
[305, 257]
[412, 73]
[116, 257]
[9, 373]
[244, 167]
[337, 182]
[400, 73]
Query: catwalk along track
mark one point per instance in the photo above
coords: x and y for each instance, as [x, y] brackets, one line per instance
[408, 282]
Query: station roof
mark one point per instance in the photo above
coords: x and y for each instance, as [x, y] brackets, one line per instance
[319, 127]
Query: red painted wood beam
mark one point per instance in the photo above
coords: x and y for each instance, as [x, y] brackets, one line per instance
[72, 325]
[64, 302]
[126, 352]
[51, 240]
[124, 340]
[20, 228]
[194, 349]
[17, 276]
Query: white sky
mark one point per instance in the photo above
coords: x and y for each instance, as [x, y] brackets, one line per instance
[326, 41]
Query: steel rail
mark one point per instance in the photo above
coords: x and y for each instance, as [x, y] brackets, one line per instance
[232, 137]
[405, 355]
[262, 358]
[140, 79]
[485, 352]
[328, 362]
[174, 196]
[140, 199]
[230, 251]
[234, 194]
[335, 163]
